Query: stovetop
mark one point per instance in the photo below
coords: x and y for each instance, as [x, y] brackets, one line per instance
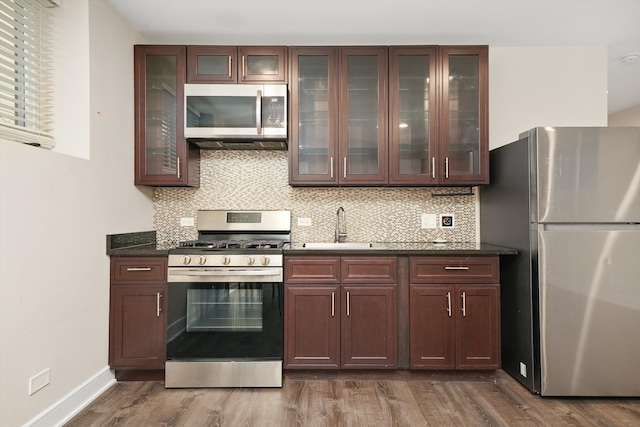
[232, 244]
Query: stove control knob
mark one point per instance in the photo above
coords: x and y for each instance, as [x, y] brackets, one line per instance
[202, 260]
[186, 259]
[250, 260]
[225, 260]
[265, 260]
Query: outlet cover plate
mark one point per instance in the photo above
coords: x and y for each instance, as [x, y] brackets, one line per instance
[428, 221]
[187, 222]
[304, 222]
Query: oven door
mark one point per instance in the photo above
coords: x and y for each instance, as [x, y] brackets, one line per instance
[224, 334]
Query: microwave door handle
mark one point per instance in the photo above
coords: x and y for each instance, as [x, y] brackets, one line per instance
[259, 112]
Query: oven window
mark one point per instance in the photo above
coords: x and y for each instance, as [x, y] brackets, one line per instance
[232, 308]
[227, 320]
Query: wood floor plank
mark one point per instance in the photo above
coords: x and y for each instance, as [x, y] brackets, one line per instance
[336, 401]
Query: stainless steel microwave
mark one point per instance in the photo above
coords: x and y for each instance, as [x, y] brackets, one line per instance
[228, 116]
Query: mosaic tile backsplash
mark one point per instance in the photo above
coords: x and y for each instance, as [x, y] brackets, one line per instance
[243, 180]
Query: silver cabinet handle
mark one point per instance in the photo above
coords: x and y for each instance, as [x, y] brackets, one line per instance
[344, 168]
[333, 304]
[158, 296]
[449, 303]
[450, 267]
[259, 112]
[331, 167]
[433, 167]
[230, 63]
[243, 74]
[348, 304]
[464, 304]
[446, 167]
[178, 166]
[138, 268]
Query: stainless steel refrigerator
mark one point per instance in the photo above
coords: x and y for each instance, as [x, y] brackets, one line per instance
[568, 199]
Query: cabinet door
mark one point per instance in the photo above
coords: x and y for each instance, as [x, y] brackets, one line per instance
[369, 336]
[432, 325]
[265, 64]
[464, 115]
[478, 327]
[231, 64]
[137, 326]
[163, 157]
[363, 143]
[212, 64]
[314, 116]
[413, 144]
[312, 327]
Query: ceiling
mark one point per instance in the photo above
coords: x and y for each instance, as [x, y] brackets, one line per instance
[504, 23]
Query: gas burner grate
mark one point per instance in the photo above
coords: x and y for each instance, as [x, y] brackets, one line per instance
[232, 244]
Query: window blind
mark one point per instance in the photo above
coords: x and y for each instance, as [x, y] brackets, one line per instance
[26, 75]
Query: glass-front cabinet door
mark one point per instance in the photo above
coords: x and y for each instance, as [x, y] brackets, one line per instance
[464, 110]
[163, 157]
[314, 116]
[413, 143]
[363, 153]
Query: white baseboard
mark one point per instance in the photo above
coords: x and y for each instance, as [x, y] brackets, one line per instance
[67, 407]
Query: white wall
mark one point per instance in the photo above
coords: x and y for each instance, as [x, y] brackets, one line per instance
[545, 86]
[629, 117]
[55, 211]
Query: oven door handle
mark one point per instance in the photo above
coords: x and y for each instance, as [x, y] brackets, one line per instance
[226, 271]
[180, 274]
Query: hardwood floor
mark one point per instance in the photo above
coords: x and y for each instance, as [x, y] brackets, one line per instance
[319, 399]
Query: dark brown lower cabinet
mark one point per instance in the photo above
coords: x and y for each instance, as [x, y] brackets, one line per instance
[369, 338]
[137, 321]
[340, 312]
[137, 336]
[312, 327]
[454, 327]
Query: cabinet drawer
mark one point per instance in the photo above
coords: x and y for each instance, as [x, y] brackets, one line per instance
[312, 270]
[369, 270]
[454, 270]
[138, 270]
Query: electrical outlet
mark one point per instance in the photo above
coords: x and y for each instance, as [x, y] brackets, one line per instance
[187, 222]
[428, 221]
[447, 221]
[304, 222]
[38, 381]
[523, 369]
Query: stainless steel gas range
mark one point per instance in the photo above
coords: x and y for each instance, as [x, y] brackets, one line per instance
[226, 301]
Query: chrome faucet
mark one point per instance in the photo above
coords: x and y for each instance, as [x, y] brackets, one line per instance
[341, 226]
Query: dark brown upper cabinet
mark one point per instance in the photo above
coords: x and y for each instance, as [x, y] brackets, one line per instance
[339, 116]
[418, 117]
[162, 155]
[231, 64]
[438, 115]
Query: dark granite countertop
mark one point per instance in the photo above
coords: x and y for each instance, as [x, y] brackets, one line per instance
[144, 244]
[408, 248]
[134, 244]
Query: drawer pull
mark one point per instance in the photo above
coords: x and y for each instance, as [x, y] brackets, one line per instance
[138, 268]
[449, 267]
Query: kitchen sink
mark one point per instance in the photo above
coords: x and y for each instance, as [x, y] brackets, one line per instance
[341, 245]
